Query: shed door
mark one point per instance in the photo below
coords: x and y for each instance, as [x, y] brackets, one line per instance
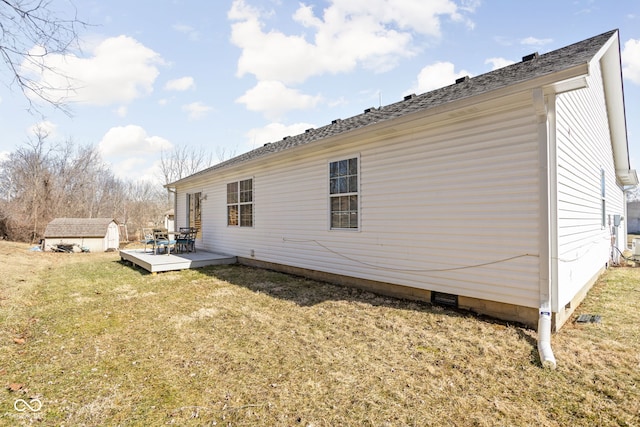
[113, 239]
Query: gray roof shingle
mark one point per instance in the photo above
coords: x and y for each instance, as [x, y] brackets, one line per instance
[78, 227]
[551, 62]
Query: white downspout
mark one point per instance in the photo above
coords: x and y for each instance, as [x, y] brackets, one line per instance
[547, 358]
[545, 111]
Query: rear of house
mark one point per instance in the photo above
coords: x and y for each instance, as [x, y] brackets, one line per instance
[497, 193]
[92, 234]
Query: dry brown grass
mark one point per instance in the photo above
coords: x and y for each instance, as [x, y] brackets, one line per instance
[101, 343]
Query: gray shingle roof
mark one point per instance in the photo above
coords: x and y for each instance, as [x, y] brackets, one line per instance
[548, 63]
[78, 227]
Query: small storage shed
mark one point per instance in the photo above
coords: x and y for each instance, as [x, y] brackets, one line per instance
[96, 234]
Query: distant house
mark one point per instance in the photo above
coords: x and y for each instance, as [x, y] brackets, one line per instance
[499, 193]
[95, 234]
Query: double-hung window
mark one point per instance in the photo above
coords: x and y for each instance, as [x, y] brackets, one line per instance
[343, 194]
[240, 203]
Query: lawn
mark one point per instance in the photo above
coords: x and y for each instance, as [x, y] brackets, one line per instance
[101, 343]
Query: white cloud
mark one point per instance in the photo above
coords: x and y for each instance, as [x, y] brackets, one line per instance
[4, 156]
[631, 61]
[498, 62]
[131, 153]
[122, 111]
[188, 30]
[119, 70]
[274, 132]
[274, 99]
[137, 169]
[131, 140]
[181, 84]
[533, 41]
[44, 128]
[374, 34]
[436, 76]
[196, 110]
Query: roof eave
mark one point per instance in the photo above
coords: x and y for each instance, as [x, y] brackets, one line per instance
[610, 63]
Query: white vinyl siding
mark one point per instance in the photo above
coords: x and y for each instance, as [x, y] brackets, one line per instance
[450, 206]
[584, 156]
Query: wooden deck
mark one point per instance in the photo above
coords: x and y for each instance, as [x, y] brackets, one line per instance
[175, 261]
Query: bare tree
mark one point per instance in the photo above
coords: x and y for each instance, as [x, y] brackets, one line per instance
[30, 184]
[182, 162]
[30, 30]
[42, 180]
[145, 206]
[223, 154]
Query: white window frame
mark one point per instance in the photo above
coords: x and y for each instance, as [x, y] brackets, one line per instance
[239, 204]
[357, 193]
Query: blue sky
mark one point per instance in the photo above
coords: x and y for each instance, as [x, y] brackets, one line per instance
[229, 76]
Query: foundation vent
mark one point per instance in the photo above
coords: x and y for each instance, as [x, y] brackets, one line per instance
[447, 300]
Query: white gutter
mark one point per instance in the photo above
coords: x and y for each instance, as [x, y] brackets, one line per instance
[545, 112]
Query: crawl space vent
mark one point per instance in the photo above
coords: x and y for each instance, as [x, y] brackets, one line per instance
[448, 300]
[589, 318]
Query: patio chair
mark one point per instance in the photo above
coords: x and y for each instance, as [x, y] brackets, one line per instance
[162, 239]
[186, 239]
[148, 239]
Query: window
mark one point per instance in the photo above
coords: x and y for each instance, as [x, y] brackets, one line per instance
[240, 203]
[343, 193]
[603, 205]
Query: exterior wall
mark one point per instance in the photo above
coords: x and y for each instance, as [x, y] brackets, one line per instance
[95, 244]
[448, 204]
[584, 149]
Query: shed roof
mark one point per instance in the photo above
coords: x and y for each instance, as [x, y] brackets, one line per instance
[78, 227]
[535, 66]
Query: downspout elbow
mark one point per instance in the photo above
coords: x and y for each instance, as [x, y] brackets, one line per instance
[547, 358]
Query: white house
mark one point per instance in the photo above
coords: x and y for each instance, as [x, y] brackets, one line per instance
[499, 193]
[94, 234]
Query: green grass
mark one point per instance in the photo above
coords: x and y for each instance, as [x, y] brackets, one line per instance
[106, 344]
